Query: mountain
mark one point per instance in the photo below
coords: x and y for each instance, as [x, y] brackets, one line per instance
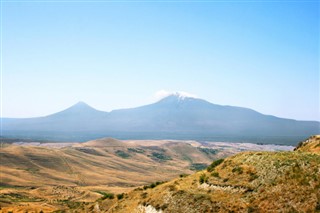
[79, 117]
[175, 116]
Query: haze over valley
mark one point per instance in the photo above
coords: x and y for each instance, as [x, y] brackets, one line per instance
[173, 117]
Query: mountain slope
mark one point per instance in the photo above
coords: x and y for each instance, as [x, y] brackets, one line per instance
[79, 117]
[126, 164]
[188, 115]
[246, 182]
[173, 117]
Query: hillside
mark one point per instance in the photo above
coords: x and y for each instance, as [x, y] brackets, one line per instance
[310, 145]
[173, 117]
[88, 163]
[60, 176]
[246, 182]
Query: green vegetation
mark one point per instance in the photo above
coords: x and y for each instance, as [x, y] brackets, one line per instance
[120, 196]
[153, 185]
[160, 156]
[209, 151]
[32, 170]
[89, 151]
[203, 178]
[122, 154]
[214, 164]
[144, 195]
[318, 206]
[183, 175]
[70, 204]
[106, 195]
[15, 197]
[198, 166]
[136, 150]
[237, 169]
[215, 174]
[253, 176]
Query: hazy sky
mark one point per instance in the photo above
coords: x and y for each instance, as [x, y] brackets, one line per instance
[260, 55]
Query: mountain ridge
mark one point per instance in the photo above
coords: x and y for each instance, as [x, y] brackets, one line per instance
[174, 116]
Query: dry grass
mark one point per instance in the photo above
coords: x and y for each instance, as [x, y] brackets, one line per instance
[75, 178]
[247, 182]
[310, 145]
[64, 177]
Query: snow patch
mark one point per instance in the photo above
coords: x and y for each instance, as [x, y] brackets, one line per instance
[180, 94]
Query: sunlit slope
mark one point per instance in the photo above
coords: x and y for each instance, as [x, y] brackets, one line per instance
[310, 145]
[246, 182]
[99, 162]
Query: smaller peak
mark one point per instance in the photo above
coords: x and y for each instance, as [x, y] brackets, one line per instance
[81, 103]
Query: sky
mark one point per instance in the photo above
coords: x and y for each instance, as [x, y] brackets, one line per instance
[262, 55]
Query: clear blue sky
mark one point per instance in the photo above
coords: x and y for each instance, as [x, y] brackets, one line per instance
[260, 55]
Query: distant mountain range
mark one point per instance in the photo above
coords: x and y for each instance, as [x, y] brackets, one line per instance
[173, 117]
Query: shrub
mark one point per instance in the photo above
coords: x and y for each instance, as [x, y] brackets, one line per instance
[209, 151]
[152, 185]
[215, 174]
[160, 156]
[197, 197]
[106, 195]
[198, 166]
[145, 187]
[203, 178]
[120, 196]
[237, 169]
[122, 154]
[183, 175]
[318, 206]
[136, 150]
[144, 194]
[251, 209]
[253, 176]
[214, 164]
[157, 207]
[164, 206]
